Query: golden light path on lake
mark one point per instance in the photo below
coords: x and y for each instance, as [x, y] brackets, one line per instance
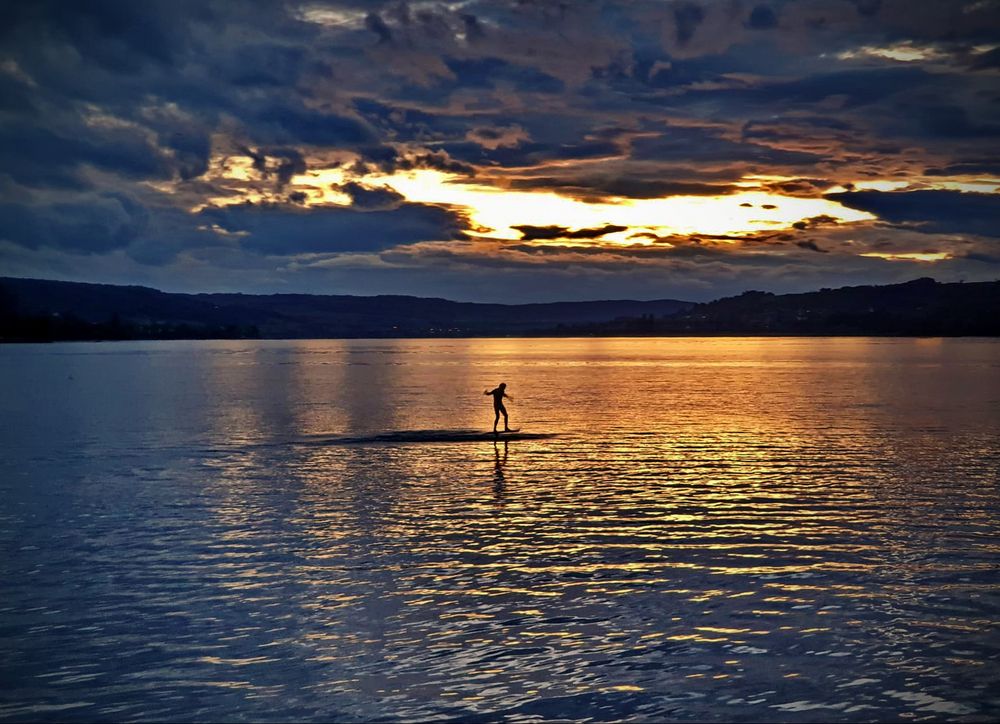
[713, 529]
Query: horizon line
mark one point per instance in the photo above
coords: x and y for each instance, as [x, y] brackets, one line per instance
[500, 304]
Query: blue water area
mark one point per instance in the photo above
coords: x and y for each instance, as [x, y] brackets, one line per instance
[729, 529]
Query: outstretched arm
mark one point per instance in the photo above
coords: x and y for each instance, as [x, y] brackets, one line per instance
[507, 396]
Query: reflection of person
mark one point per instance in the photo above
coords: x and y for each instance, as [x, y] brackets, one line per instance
[498, 480]
[498, 408]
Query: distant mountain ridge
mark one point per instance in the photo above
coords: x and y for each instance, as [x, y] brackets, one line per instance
[44, 310]
[922, 307]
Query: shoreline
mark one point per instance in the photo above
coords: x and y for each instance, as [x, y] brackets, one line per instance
[679, 335]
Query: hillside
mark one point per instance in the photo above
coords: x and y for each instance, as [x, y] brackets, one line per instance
[40, 310]
[922, 307]
[34, 309]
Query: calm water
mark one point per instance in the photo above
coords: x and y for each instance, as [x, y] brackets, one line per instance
[723, 529]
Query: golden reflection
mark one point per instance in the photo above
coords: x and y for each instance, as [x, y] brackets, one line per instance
[689, 483]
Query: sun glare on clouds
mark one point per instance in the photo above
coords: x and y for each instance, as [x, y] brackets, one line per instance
[494, 212]
[931, 256]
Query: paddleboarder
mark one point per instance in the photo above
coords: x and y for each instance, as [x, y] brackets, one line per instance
[498, 408]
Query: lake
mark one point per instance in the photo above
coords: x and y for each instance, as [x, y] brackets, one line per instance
[732, 529]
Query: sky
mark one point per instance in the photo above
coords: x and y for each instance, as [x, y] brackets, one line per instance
[501, 150]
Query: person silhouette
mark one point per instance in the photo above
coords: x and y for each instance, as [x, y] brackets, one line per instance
[498, 408]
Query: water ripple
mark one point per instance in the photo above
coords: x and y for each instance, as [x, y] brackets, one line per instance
[707, 530]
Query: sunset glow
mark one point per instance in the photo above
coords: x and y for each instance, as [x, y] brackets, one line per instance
[494, 212]
[914, 256]
[609, 149]
[500, 360]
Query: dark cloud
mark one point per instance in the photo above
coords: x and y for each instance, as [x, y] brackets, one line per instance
[984, 258]
[854, 87]
[291, 124]
[491, 72]
[688, 17]
[389, 159]
[287, 230]
[497, 136]
[363, 198]
[267, 65]
[530, 153]
[987, 166]
[762, 17]
[868, 8]
[693, 145]
[38, 156]
[191, 151]
[473, 29]
[95, 224]
[987, 60]
[589, 187]
[811, 246]
[119, 35]
[930, 211]
[377, 25]
[281, 164]
[951, 121]
[777, 129]
[808, 187]
[814, 221]
[401, 123]
[533, 233]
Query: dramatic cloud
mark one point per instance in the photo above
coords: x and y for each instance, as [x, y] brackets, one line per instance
[530, 233]
[483, 149]
[289, 231]
[97, 223]
[931, 211]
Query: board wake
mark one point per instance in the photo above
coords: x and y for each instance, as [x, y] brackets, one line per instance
[419, 436]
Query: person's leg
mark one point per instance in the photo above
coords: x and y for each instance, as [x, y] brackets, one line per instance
[506, 427]
[496, 419]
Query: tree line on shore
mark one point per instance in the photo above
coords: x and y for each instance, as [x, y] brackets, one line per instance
[42, 310]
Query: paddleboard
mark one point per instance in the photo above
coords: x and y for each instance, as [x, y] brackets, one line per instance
[425, 436]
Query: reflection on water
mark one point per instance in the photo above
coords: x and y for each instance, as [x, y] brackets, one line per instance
[499, 482]
[722, 529]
